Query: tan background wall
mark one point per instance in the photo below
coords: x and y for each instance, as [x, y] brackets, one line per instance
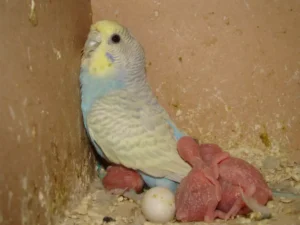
[227, 71]
[44, 156]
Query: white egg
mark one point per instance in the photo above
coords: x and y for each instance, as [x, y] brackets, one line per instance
[158, 205]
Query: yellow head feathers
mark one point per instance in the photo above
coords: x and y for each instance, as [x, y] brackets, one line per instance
[110, 47]
[107, 27]
[97, 53]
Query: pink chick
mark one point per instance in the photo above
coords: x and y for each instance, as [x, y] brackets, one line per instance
[119, 179]
[199, 192]
[238, 180]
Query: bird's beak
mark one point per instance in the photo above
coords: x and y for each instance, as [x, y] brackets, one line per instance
[92, 42]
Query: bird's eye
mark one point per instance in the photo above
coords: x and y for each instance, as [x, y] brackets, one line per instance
[115, 38]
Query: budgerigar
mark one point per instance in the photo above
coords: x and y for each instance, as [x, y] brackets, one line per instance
[123, 118]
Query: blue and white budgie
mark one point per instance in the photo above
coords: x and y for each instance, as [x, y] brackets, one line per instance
[122, 116]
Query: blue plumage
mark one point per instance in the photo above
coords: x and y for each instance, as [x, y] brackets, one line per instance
[92, 88]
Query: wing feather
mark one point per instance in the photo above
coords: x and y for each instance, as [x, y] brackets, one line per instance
[136, 134]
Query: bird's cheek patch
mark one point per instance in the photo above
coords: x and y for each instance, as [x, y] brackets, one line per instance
[110, 57]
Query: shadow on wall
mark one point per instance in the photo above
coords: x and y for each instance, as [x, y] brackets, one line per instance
[44, 159]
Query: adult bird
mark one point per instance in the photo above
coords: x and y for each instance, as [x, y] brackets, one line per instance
[123, 118]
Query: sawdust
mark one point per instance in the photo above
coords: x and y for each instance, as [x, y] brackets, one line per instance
[282, 173]
[98, 207]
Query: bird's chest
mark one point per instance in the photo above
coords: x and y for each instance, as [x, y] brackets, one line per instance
[117, 111]
[119, 102]
[94, 88]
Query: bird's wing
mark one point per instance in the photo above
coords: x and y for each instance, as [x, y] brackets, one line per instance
[136, 135]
